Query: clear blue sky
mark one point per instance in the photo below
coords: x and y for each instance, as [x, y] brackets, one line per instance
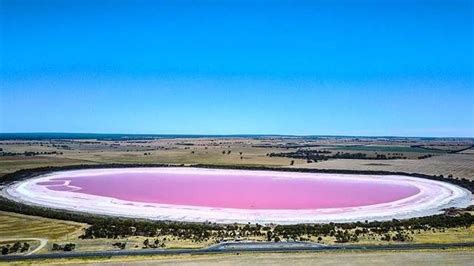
[398, 68]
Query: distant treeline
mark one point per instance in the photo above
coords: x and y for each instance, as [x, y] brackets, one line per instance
[447, 151]
[28, 153]
[286, 146]
[321, 155]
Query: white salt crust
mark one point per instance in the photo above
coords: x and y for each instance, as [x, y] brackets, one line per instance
[433, 197]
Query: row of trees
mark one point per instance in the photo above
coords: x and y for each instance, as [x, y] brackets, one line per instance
[426, 156]
[29, 153]
[324, 155]
[398, 230]
[155, 244]
[16, 247]
[65, 247]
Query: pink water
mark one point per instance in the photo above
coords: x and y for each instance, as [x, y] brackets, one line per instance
[235, 191]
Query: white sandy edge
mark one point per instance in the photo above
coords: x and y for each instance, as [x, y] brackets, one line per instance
[434, 196]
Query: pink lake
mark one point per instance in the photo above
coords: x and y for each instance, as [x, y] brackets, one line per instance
[236, 191]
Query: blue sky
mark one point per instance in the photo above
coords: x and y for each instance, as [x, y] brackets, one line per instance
[398, 68]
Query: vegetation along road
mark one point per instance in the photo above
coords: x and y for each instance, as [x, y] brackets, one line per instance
[237, 248]
[42, 241]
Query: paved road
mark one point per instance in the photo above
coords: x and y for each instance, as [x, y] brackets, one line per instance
[251, 245]
[236, 248]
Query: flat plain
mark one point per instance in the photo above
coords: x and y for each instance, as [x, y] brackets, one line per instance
[452, 158]
[442, 157]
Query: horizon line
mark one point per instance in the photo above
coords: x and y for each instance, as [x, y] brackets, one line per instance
[196, 135]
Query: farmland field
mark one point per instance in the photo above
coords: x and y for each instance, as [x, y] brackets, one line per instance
[243, 151]
[457, 165]
[386, 148]
[14, 225]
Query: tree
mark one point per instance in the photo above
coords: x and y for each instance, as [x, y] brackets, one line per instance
[15, 247]
[269, 235]
[4, 250]
[386, 237]
[69, 247]
[25, 247]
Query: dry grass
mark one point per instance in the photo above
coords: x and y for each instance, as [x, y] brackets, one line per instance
[470, 151]
[451, 235]
[13, 163]
[204, 151]
[458, 165]
[135, 242]
[209, 151]
[14, 225]
[426, 257]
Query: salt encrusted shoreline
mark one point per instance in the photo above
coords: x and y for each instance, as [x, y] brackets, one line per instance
[434, 196]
